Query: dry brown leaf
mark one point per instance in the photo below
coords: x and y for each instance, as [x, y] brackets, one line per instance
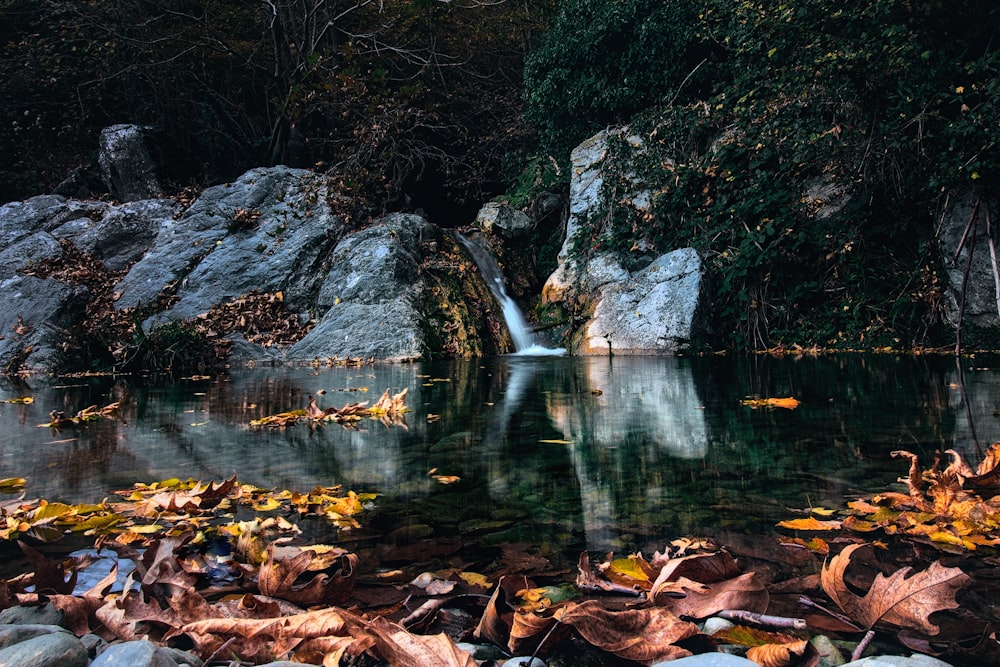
[902, 599]
[279, 578]
[644, 635]
[796, 654]
[404, 649]
[694, 599]
[50, 576]
[705, 568]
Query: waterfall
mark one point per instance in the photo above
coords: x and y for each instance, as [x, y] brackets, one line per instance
[520, 332]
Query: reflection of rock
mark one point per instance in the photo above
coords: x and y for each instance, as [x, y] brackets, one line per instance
[979, 422]
[654, 401]
[653, 406]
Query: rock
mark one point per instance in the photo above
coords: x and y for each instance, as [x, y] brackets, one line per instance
[126, 166]
[501, 219]
[144, 654]
[371, 294]
[980, 293]
[44, 615]
[716, 624]
[56, 649]
[642, 306]
[708, 660]
[829, 654]
[271, 233]
[657, 310]
[15, 634]
[914, 660]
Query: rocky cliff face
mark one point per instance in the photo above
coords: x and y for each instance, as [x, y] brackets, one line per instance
[653, 305]
[262, 269]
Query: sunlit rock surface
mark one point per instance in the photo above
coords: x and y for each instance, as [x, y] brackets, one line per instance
[641, 308]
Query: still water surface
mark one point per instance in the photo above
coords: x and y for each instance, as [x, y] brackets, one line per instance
[570, 453]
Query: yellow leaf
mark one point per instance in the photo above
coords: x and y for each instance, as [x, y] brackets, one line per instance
[13, 485]
[630, 567]
[822, 511]
[267, 505]
[810, 524]
[557, 442]
[146, 529]
[475, 579]
[20, 400]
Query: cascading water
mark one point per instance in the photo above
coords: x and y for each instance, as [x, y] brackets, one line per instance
[520, 332]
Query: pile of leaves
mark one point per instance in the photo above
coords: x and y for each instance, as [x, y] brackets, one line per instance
[252, 590]
[262, 318]
[952, 508]
[390, 409]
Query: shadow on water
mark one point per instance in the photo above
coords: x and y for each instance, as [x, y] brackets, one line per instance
[563, 452]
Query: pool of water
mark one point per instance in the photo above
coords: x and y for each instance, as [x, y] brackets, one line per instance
[563, 453]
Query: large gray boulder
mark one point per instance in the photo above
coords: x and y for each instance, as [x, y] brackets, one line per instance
[655, 310]
[127, 168]
[37, 311]
[652, 304]
[271, 237]
[270, 231]
[371, 295]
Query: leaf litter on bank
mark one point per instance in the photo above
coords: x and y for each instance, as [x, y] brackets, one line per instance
[300, 601]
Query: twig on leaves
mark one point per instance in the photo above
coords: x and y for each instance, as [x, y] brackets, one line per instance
[753, 618]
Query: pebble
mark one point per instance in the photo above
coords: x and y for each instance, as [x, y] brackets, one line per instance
[914, 660]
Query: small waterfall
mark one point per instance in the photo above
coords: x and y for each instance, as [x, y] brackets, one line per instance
[524, 340]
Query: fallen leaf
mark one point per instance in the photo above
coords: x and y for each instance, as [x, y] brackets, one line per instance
[902, 599]
[795, 654]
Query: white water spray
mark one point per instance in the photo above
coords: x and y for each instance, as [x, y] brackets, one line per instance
[520, 332]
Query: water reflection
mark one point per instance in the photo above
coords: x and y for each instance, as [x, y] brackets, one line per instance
[567, 452]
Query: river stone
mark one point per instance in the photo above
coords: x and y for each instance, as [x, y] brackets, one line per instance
[56, 649]
[15, 634]
[914, 660]
[45, 615]
[124, 232]
[144, 653]
[127, 169]
[707, 660]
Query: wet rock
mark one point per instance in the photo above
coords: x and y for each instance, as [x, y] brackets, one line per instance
[126, 166]
[914, 660]
[15, 634]
[144, 654]
[56, 649]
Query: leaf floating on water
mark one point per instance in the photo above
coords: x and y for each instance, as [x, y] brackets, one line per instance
[788, 403]
[20, 400]
[556, 442]
[810, 523]
[13, 485]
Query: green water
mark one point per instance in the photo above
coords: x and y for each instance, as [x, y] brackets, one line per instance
[559, 453]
